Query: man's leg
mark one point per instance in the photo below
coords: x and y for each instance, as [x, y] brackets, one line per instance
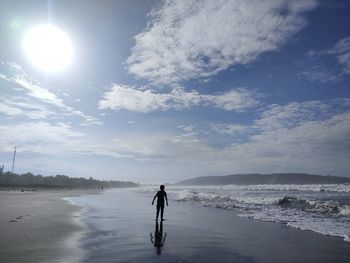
[158, 207]
[161, 211]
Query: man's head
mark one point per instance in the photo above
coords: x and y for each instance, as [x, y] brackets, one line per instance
[162, 187]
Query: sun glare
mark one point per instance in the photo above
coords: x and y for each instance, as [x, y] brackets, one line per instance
[48, 48]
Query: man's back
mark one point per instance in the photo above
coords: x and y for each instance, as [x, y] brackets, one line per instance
[161, 195]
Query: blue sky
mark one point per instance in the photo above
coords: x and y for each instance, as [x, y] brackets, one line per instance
[160, 91]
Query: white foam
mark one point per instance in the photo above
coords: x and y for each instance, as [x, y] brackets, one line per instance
[345, 210]
[309, 208]
[294, 187]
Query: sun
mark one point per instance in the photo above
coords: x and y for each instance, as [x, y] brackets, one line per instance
[48, 48]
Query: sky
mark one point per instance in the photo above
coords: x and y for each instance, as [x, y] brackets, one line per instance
[161, 91]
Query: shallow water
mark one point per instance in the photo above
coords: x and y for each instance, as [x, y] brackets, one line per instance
[123, 229]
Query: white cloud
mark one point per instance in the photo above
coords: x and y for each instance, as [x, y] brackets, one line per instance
[310, 136]
[133, 99]
[228, 129]
[129, 98]
[17, 106]
[192, 39]
[342, 52]
[294, 113]
[319, 73]
[9, 109]
[188, 134]
[234, 100]
[39, 137]
[316, 70]
[312, 146]
[23, 81]
[61, 139]
[38, 92]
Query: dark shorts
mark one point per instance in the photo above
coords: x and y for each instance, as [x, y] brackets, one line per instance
[160, 206]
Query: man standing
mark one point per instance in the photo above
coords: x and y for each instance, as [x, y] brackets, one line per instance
[161, 195]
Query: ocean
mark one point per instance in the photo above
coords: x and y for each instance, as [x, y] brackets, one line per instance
[257, 223]
[324, 209]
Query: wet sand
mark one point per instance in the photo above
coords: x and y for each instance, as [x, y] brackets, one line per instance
[122, 228]
[39, 226]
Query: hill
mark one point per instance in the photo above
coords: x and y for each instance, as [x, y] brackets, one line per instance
[276, 178]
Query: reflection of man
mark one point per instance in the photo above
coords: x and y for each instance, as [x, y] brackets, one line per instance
[161, 195]
[158, 241]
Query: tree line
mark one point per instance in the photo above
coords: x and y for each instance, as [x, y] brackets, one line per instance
[9, 179]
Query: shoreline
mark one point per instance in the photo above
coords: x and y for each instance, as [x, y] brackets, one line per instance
[73, 239]
[41, 226]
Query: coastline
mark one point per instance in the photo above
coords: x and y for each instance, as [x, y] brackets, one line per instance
[41, 226]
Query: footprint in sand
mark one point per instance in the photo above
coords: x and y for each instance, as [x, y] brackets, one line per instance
[16, 220]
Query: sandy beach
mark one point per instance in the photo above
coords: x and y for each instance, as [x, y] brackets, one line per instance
[123, 229]
[39, 226]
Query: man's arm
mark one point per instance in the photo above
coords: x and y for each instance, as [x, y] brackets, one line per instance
[166, 198]
[154, 198]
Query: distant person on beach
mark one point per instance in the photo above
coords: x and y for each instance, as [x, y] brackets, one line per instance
[161, 195]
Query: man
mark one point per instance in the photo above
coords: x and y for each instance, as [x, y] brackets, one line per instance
[161, 195]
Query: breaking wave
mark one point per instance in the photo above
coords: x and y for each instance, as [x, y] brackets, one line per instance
[341, 188]
[306, 207]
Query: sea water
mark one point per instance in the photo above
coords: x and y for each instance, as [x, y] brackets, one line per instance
[320, 208]
[202, 222]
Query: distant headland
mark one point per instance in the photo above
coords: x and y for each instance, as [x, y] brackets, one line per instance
[274, 178]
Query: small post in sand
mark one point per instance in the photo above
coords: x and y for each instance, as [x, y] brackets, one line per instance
[13, 161]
